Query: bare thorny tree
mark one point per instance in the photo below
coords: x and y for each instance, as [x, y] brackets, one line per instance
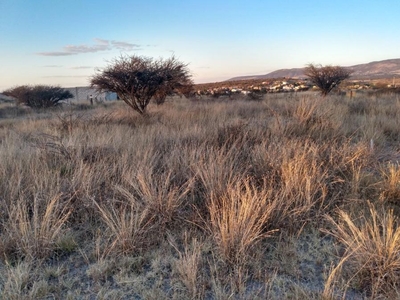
[137, 80]
[38, 96]
[326, 78]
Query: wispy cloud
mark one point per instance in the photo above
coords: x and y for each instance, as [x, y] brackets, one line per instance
[52, 66]
[100, 45]
[55, 53]
[101, 41]
[86, 49]
[125, 46]
[81, 67]
[66, 76]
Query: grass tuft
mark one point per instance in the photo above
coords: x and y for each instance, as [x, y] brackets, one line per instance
[372, 246]
[239, 220]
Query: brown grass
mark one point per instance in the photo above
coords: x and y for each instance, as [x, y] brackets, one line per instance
[390, 184]
[372, 246]
[33, 229]
[206, 199]
[239, 220]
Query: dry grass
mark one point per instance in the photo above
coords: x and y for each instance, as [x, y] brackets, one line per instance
[390, 184]
[372, 246]
[127, 226]
[239, 220]
[188, 265]
[202, 200]
[159, 192]
[34, 229]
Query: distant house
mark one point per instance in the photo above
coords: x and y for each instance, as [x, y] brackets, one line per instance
[111, 96]
[85, 93]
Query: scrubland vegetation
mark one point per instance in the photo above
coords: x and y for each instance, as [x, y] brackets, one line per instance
[290, 197]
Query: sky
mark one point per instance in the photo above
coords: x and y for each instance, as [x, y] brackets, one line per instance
[65, 42]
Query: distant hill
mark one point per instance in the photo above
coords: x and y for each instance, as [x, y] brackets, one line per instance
[373, 70]
[377, 69]
[288, 73]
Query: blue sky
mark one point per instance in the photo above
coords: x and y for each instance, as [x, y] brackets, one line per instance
[64, 41]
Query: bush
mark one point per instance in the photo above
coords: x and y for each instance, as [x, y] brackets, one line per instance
[137, 80]
[38, 96]
[326, 77]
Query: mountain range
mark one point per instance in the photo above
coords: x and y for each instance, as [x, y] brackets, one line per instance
[383, 69]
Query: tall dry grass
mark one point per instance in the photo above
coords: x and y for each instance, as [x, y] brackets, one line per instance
[189, 264]
[390, 183]
[97, 187]
[239, 219]
[33, 229]
[127, 226]
[158, 191]
[371, 251]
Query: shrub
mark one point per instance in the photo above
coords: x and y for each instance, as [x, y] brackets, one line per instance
[137, 79]
[39, 96]
[326, 77]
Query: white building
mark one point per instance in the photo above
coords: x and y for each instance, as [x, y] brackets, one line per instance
[85, 93]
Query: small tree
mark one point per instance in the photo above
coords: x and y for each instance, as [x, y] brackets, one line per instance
[137, 80]
[326, 77]
[38, 96]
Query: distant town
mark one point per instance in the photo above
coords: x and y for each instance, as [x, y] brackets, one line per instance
[279, 85]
